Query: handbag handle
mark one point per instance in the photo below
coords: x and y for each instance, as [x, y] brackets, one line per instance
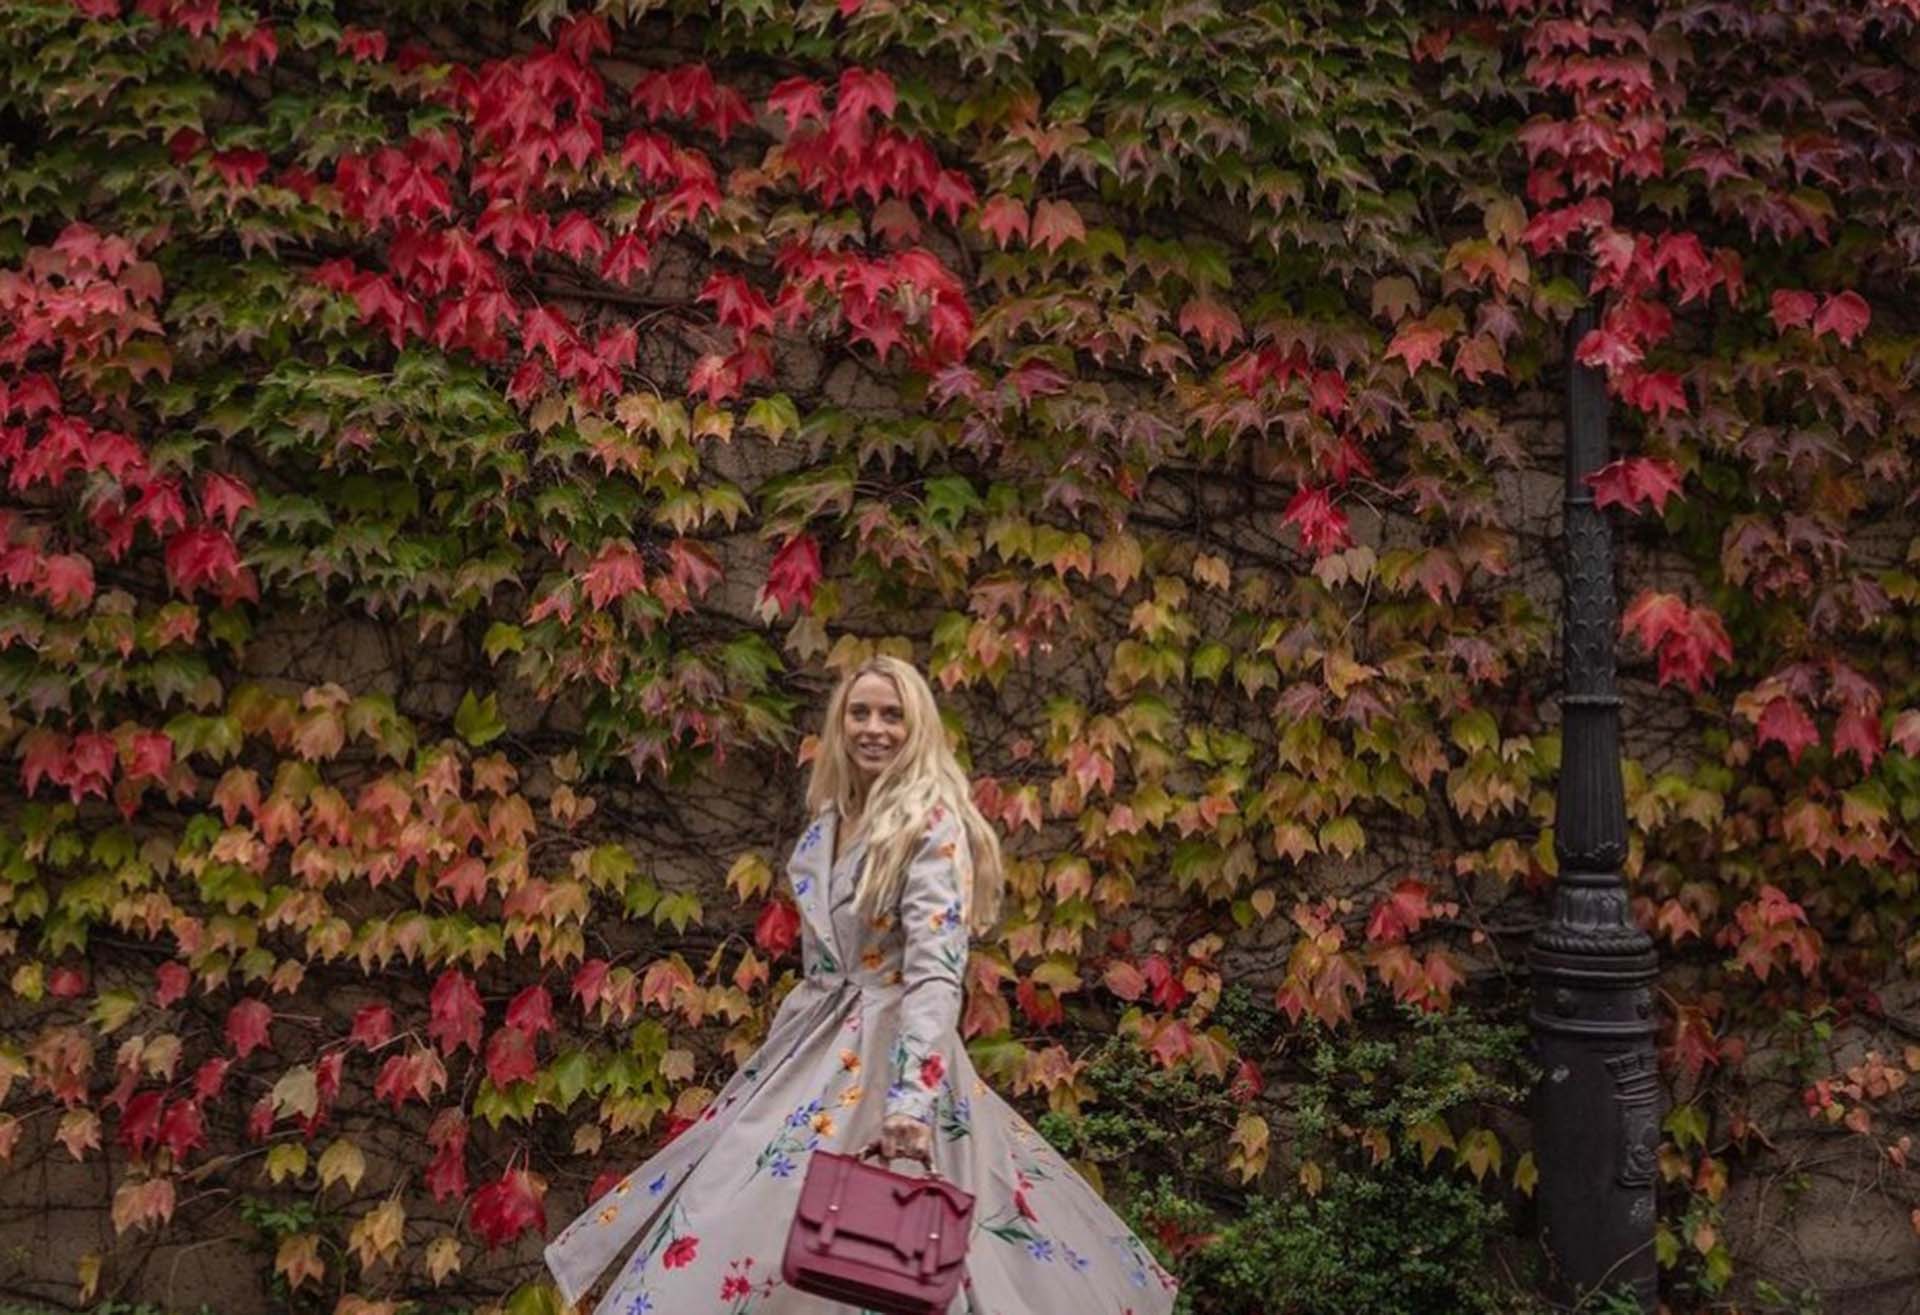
[924, 1159]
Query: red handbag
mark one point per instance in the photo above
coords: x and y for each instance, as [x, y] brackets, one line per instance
[865, 1235]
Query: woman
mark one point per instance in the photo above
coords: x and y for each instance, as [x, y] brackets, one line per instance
[895, 872]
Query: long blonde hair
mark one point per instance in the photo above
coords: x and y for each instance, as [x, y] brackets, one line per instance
[902, 797]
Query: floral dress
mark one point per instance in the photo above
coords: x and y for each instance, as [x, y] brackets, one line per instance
[871, 1030]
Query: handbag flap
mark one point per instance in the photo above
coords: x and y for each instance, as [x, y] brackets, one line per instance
[882, 1206]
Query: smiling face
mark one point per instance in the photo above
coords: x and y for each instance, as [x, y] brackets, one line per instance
[875, 725]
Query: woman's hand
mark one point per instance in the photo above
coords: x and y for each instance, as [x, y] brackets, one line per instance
[903, 1137]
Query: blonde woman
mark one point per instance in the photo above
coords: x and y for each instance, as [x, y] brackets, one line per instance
[894, 874]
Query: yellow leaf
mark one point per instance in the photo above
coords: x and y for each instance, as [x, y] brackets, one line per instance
[1712, 1178]
[1525, 1176]
[1343, 673]
[1311, 1178]
[377, 1235]
[1212, 571]
[1480, 1151]
[443, 1258]
[1378, 1144]
[677, 1065]
[1118, 558]
[137, 1204]
[587, 1139]
[88, 1270]
[1249, 1141]
[1704, 1237]
[288, 1159]
[1263, 901]
[298, 1257]
[342, 1161]
[749, 876]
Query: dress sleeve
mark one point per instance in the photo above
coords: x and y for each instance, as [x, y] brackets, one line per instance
[933, 965]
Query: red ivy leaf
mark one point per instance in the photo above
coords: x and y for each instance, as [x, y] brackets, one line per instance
[1786, 723]
[777, 927]
[1687, 640]
[1056, 223]
[615, 573]
[861, 90]
[247, 1026]
[140, 1121]
[1845, 316]
[1633, 480]
[455, 1013]
[182, 1129]
[1213, 322]
[510, 1057]
[1793, 310]
[223, 497]
[532, 1010]
[1323, 526]
[798, 101]
[372, 1025]
[794, 573]
[170, 982]
[1003, 218]
[1399, 914]
[1858, 732]
[1417, 343]
[508, 1207]
[363, 45]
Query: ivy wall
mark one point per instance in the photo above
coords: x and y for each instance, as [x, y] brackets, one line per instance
[451, 448]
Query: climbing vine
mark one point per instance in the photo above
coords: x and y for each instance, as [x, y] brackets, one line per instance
[449, 448]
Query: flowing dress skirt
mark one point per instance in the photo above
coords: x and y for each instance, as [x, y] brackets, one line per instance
[709, 1213]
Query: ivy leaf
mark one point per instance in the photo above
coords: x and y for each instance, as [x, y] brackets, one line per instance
[509, 1057]
[949, 498]
[1631, 481]
[777, 927]
[342, 1161]
[478, 721]
[794, 573]
[1844, 315]
[1418, 343]
[1003, 218]
[1056, 223]
[1786, 723]
[1688, 641]
[246, 1029]
[509, 1206]
[455, 1013]
[1323, 527]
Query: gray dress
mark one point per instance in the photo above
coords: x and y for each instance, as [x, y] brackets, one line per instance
[870, 1030]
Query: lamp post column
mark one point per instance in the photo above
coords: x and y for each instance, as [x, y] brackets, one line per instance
[1596, 1110]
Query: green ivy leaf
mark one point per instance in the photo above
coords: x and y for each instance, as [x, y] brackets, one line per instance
[478, 721]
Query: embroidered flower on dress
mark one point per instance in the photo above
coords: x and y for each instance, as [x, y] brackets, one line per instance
[932, 1069]
[850, 1060]
[654, 1187]
[681, 1252]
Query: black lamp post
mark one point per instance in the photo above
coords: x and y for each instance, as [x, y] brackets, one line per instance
[1596, 1110]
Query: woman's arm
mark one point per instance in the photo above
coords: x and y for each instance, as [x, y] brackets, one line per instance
[933, 964]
